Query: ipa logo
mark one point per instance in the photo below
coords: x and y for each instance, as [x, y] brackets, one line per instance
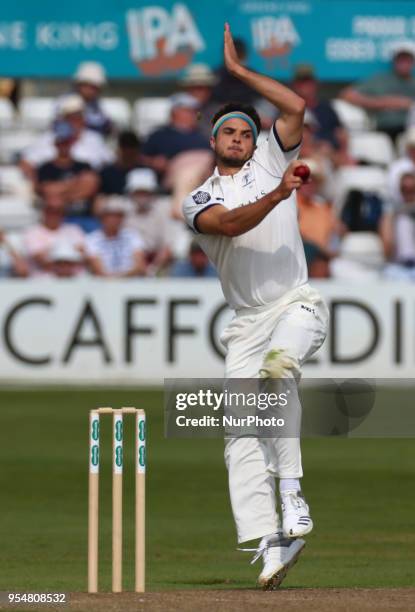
[162, 41]
[274, 37]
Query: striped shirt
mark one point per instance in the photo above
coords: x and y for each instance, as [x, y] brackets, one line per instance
[116, 253]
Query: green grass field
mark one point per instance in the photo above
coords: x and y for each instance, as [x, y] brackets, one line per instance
[361, 493]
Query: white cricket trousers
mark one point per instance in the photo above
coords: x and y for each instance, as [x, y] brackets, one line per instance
[296, 323]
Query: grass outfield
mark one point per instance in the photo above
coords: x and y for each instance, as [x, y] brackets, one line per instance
[361, 493]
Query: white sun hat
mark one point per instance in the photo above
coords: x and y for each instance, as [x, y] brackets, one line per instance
[91, 72]
[64, 251]
[403, 46]
[115, 204]
[198, 74]
[69, 104]
[141, 179]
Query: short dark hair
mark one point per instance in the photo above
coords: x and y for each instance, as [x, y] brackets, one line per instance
[243, 108]
[127, 139]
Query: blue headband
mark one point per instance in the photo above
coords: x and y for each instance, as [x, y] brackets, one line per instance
[236, 115]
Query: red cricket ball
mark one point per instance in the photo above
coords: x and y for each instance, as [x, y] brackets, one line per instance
[303, 172]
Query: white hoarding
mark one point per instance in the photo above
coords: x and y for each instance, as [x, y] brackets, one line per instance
[141, 331]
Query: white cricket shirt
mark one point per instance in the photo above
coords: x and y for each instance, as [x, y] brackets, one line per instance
[260, 266]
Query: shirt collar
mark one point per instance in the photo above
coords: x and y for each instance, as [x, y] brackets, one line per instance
[216, 175]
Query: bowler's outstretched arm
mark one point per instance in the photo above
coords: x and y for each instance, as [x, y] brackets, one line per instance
[289, 124]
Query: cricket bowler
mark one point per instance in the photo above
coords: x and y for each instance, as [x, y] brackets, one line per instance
[245, 219]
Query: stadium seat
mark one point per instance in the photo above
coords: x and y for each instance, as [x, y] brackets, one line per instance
[6, 114]
[372, 147]
[149, 114]
[37, 113]
[13, 182]
[13, 142]
[365, 178]
[118, 110]
[363, 246]
[16, 213]
[361, 257]
[352, 117]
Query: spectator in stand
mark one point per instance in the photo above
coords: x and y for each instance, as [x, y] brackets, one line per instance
[367, 237]
[405, 222]
[311, 145]
[180, 135]
[113, 176]
[364, 211]
[318, 224]
[40, 239]
[228, 85]
[65, 261]
[327, 127]
[198, 81]
[305, 84]
[89, 80]
[323, 137]
[197, 265]
[150, 218]
[179, 152]
[115, 251]
[404, 266]
[388, 95]
[75, 180]
[402, 166]
[10, 89]
[320, 151]
[88, 146]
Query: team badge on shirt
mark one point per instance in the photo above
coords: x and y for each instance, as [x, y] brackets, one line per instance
[201, 197]
[247, 179]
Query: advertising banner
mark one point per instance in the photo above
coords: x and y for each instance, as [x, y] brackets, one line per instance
[141, 332]
[343, 39]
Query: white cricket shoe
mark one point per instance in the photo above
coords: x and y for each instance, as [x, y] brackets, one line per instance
[279, 554]
[296, 519]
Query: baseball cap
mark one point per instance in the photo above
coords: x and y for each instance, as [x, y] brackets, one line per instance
[142, 179]
[115, 204]
[91, 72]
[69, 104]
[198, 74]
[63, 131]
[64, 251]
[403, 46]
[183, 100]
